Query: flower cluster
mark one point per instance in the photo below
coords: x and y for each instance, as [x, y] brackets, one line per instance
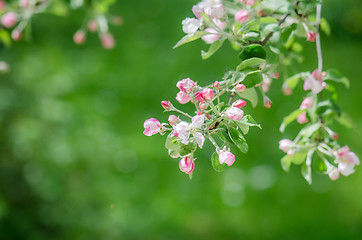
[223, 124]
[15, 16]
[269, 39]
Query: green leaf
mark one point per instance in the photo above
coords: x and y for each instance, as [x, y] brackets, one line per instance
[292, 81]
[251, 62]
[252, 78]
[307, 173]
[309, 130]
[208, 20]
[171, 142]
[216, 164]
[251, 95]
[267, 20]
[5, 38]
[319, 165]
[336, 76]
[225, 135]
[249, 120]
[243, 127]
[345, 120]
[253, 50]
[191, 37]
[186, 150]
[325, 27]
[286, 161]
[299, 157]
[290, 118]
[213, 49]
[238, 139]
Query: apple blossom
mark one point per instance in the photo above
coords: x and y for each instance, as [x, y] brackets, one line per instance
[208, 94]
[307, 103]
[199, 96]
[212, 37]
[108, 41]
[79, 37]
[186, 85]
[333, 173]
[249, 2]
[190, 25]
[9, 19]
[311, 36]
[216, 85]
[92, 26]
[226, 157]
[187, 165]
[240, 88]
[286, 145]
[167, 105]
[239, 103]
[216, 11]
[152, 126]
[346, 168]
[16, 35]
[173, 120]
[242, 16]
[183, 98]
[302, 118]
[234, 113]
[267, 102]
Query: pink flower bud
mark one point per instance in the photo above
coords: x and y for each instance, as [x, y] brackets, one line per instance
[242, 16]
[311, 36]
[335, 136]
[249, 2]
[234, 113]
[16, 35]
[285, 145]
[287, 90]
[267, 102]
[203, 106]
[219, 24]
[216, 85]
[186, 85]
[183, 98]
[307, 103]
[333, 173]
[166, 105]
[212, 37]
[173, 120]
[208, 94]
[226, 157]
[186, 165]
[199, 96]
[276, 75]
[108, 41]
[240, 88]
[9, 20]
[152, 126]
[79, 37]
[239, 103]
[318, 75]
[302, 118]
[92, 26]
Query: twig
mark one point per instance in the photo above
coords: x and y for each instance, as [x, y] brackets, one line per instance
[266, 39]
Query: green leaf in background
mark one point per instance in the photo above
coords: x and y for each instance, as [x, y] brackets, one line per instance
[292, 81]
[345, 120]
[213, 49]
[290, 118]
[336, 76]
[252, 79]
[238, 139]
[251, 62]
[190, 37]
[5, 37]
[251, 95]
[251, 51]
[216, 164]
[325, 27]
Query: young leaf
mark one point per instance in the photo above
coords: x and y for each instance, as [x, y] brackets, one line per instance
[292, 82]
[190, 37]
[308, 131]
[290, 118]
[251, 62]
[345, 120]
[185, 150]
[299, 157]
[208, 20]
[238, 139]
[250, 95]
[216, 164]
[252, 79]
[334, 75]
[213, 49]
[251, 51]
[286, 161]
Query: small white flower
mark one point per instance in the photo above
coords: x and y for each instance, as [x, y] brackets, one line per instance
[190, 25]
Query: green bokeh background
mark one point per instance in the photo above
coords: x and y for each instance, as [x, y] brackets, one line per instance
[75, 164]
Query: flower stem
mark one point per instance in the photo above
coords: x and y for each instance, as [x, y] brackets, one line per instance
[318, 38]
[179, 111]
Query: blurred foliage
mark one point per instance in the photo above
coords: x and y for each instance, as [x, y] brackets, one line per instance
[75, 164]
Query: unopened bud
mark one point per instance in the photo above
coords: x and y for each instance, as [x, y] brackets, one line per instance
[92, 26]
[16, 35]
[79, 37]
[267, 102]
[240, 88]
[167, 105]
[107, 40]
[311, 36]
[239, 103]
[216, 85]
